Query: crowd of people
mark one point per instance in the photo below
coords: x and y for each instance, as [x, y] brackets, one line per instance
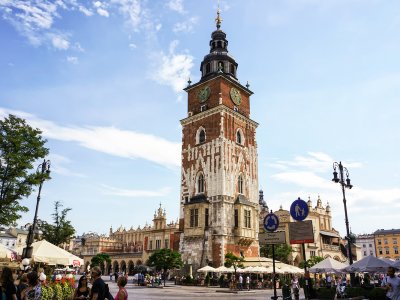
[29, 286]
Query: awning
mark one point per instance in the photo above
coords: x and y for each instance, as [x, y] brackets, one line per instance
[326, 233]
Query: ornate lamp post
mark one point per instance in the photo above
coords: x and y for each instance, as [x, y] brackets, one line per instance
[341, 180]
[43, 170]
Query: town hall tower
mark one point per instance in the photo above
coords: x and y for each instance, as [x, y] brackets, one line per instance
[219, 184]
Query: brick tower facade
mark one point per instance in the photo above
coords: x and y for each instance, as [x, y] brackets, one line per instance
[219, 184]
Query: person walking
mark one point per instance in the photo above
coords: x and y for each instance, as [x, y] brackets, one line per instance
[122, 293]
[391, 284]
[240, 282]
[98, 286]
[7, 284]
[248, 282]
[295, 287]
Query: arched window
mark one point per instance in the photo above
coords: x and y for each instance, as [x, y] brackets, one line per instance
[200, 184]
[200, 135]
[238, 137]
[221, 66]
[240, 184]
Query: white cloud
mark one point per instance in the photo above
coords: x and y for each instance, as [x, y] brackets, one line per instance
[315, 161]
[136, 193]
[72, 59]
[132, 46]
[78, 47]
[59, 42]
[102, 12]
[110, 140]
[172, 69]
[132, 11]
[87, 12]
[186, 26]
[35, 20]
[176, 5]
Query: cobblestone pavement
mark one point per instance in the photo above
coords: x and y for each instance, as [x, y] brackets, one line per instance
[172, 291]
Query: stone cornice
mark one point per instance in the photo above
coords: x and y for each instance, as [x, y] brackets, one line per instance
[215, 110]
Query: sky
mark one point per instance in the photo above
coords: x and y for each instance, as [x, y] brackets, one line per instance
[103, 80]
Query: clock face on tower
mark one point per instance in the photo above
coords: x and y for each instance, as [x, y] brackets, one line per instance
[204, 93]
[235, 96]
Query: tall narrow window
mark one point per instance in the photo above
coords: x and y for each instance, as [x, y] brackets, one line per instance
[232, 69]
[151, 245]
[221, 66]
[206, 218]
[240, 184]
[194, 217]
[166, 244]
[238, 137]
[158, 244]
[200, 184]
[247, 218]
[202, 136]
[236, 218]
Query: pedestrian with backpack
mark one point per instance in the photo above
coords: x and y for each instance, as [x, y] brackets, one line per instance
[98, 291]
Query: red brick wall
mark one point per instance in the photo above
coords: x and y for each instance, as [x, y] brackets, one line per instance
[216, 250]
[247, 251]
[218, 85]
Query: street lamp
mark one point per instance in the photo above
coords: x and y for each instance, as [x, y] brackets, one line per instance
[347, 184]
[43, 171]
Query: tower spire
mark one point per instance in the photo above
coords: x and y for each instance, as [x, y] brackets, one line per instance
[218, 19]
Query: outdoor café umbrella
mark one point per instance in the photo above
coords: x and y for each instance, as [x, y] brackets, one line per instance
[368, 264]
[261, 270]
[206, 269]
[328, 265]
[223, 269]
[396, 264]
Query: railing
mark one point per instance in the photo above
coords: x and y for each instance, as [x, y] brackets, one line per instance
[330, 247]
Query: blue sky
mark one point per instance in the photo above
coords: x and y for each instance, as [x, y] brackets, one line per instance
[104, 80]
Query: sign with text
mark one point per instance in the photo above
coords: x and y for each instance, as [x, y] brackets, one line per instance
[272, 238]
[301, 232]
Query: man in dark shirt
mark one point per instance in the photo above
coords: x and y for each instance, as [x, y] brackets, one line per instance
[98, 285]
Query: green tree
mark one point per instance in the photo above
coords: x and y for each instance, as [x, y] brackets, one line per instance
[311, 261]
[20, 147]
[62, 230]
[234, 261]
[165, 259]
[282, 252]
[99, 260]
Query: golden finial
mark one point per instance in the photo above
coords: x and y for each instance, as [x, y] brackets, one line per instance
[218, 19]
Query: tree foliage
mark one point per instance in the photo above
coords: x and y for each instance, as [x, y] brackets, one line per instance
[282, 252]
[231, 260]
[20, 147]
[165, 259]
[311, 261]
[62, 230]
[234, 261]
[99, 259]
